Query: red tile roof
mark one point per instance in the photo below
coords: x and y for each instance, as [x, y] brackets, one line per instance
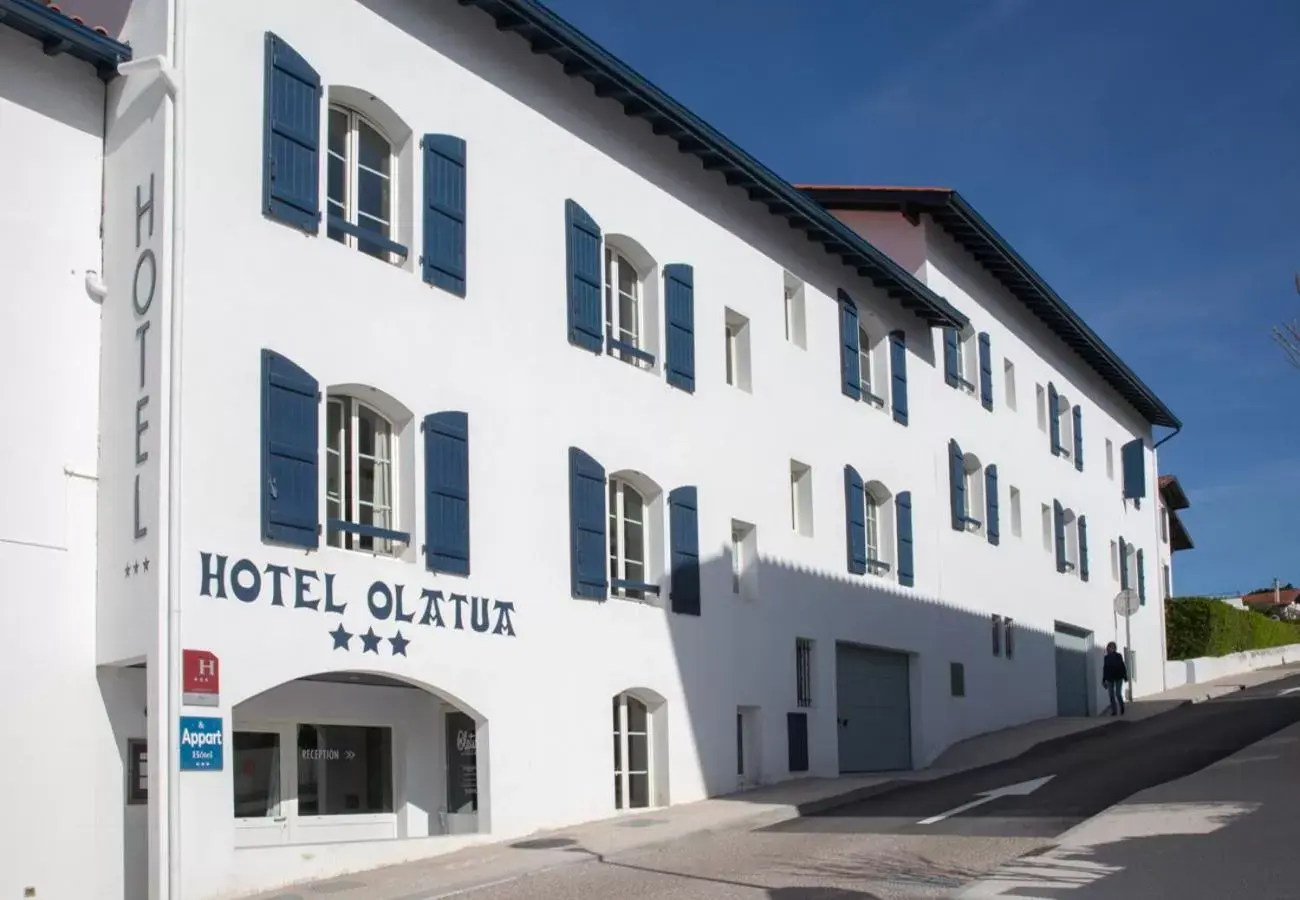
[1285, 597]
[98, 29]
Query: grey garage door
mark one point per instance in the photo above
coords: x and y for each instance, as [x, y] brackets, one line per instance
[1071, 671]
[874, 709]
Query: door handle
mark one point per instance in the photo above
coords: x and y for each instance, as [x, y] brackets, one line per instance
[279, 818]
[844, 723]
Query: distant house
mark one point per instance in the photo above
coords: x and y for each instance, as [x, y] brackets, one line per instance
[1173, 534]
[1268, 600]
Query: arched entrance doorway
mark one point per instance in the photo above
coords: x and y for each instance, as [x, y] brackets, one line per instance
[353, 756]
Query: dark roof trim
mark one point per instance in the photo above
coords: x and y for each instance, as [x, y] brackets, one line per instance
[1172, 492]
[60, 34]
[581, 57]
[968, 228]
[1179, 539]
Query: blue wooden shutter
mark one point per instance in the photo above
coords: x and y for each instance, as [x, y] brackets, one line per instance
[290, 447]
[679, 313]
[1058, 526]
[991, 502]
[906, 564]
[587, 546]
[950, 373]
[986, 370]
[291, 138]
[582, 251]
[850, 372]
[957, 486]
[1078, 438]
[1133, 458]
[1053, 419]
[684, 528]
[1123, 564]
[446, 492]
[898, 372]
[443, 262]
[1142, 580]
[1083, 547]
[796, 727]
[855, 518]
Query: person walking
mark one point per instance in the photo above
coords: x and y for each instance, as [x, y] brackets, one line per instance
[1113, 675]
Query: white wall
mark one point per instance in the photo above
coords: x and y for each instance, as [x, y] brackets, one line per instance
[59, 759]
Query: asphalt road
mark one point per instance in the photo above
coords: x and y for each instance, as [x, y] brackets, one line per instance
[1085, 773]
[1225, 831]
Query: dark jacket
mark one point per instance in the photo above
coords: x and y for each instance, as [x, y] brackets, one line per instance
[1113, 668]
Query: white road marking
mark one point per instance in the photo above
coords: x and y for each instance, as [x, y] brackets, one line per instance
[1023, 789]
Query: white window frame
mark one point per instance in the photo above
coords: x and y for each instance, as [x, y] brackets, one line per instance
[352, 178]
[622, 768]
[348, 495]
[733, 354]
[615, 327]
[619, 551]
[871, 518]
[285, 826]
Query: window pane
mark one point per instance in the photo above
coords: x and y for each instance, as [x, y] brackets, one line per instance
[256, 775]
[626, 278]
[627, 320]
[372, 195]
[373, 150]
[618, 754]
[638, 758]
[365, 433]
[638, 787]
[337, 183]
[344, 770]
[636, 715]
[633, 543]
[338, 132]
[618, 791]
[633, 506]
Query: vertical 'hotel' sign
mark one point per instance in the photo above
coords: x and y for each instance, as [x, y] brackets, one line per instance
[144, 285]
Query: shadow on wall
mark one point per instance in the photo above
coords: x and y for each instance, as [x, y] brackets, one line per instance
[916, 676]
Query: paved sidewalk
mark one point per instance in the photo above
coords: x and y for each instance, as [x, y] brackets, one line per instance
[492, 864]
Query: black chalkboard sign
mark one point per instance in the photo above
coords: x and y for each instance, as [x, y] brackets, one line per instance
[462, 764]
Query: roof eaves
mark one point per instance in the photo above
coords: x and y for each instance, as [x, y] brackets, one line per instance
[581, 57]
[62, 34]
[1172, 491]
[1070, 326]
[969, 228]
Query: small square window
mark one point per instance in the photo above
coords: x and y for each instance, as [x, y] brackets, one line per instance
[137, 771]
[1114, 561]
[1047, 527]
[801, 501]
[957, 679]
[1013, 500]
[1110, 460]
[1042, 409]
[744, 556]
[794, 312]
[1009, 383]
[736, 330]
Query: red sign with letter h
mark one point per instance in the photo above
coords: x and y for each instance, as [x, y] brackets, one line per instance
[201, 681]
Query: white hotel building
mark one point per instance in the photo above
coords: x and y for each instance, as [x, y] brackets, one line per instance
[426, 398]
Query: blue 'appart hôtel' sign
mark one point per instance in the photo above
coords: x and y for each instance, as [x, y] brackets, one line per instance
[390, 605]
[201, 743]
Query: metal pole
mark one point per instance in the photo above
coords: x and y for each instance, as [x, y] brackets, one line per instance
[1128, 645]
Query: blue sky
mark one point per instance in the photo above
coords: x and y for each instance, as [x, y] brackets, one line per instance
[1144, 157]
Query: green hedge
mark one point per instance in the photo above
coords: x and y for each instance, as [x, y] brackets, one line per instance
[1199, 626]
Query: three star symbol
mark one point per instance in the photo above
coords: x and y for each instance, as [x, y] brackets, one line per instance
[135, 567]
[369, 641]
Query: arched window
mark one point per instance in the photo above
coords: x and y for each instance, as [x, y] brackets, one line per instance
[880, 530]
[360, 183]
[360, 455]
[632, 752]
[623, 306]
[1066, 418]
[627, 540]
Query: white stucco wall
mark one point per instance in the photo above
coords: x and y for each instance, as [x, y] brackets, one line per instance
[60, 762]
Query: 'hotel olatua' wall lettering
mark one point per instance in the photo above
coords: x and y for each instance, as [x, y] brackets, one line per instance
[388, 604]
